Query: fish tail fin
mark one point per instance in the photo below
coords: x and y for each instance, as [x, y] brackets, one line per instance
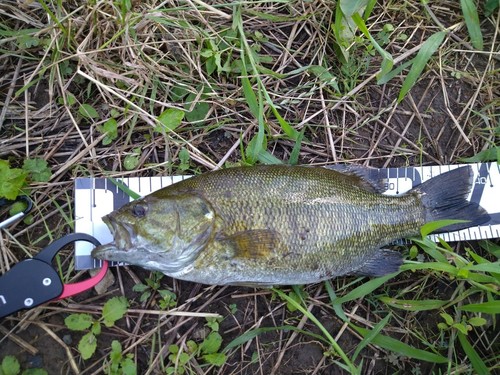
[445, 198]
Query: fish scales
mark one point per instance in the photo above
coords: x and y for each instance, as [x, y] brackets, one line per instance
[272, 225]
[326, 225]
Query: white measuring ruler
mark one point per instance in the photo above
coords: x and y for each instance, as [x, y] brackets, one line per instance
[96, 197]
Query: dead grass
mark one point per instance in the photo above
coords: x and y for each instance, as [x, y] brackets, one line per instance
[131, 65]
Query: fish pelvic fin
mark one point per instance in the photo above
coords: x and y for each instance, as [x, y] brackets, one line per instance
[382, 263]
[445, 198]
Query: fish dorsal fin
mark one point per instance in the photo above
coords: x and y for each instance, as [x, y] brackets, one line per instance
[367, 176]
[255, 244]
[381, 263]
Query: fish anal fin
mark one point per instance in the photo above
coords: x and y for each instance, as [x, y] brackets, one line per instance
[367, 177]
[382, 263]
[255, 244]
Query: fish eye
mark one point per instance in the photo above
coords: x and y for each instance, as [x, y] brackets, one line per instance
[139, 210]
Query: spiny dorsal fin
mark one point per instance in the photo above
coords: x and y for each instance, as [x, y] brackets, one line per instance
[367, 176]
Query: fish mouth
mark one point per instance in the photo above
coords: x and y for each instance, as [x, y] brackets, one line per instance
[123, 240]
[123, 233]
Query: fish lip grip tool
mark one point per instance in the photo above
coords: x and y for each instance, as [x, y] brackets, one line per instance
[35, 281]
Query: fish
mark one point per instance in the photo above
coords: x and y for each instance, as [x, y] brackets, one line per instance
[273, 225]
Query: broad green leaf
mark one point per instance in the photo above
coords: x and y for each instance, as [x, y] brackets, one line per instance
[265, 157]
[411, 305]
[116, 350]
[490, 154]
[38, 169]
[12, 180]
[491, 307]
[78, 322]
[87, 345]
[474, 358]
[170, 119]
[128, 366]
[211, 344]
[10, 365]
[130, 162]
[350, 7]
[114, 309]
[199, 112]
[469, 11]
[428, 228]
[216, 359]
[110, 128]
[490, 6]
[447, 318]
[401, 348]
[426, 51]
[17, 207]
[477, 321]
[87, 111]
[96, 328]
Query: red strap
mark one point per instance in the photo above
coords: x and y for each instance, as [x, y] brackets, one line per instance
[76, 288]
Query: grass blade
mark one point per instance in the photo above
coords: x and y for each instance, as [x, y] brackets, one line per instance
[474, 358]
[120, 185]
[312, 318]
[469, 11]
[397, 346]
[365, 288]
[491, 307]
[294, 155]
[387, 61]
[428, 48]
[411, 305]
[371, 335]
[490, 154]
[249, 335]
[436, 266]
[428, 228]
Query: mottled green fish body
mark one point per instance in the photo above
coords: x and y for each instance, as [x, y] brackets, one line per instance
[272, 225]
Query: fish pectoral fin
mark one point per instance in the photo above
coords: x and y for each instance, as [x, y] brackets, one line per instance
[255, 244]
[382, 263]
[367, 177]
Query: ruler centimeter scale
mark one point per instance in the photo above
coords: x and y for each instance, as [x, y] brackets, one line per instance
[96, 197]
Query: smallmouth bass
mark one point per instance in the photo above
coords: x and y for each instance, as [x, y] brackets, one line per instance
[275, 225]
